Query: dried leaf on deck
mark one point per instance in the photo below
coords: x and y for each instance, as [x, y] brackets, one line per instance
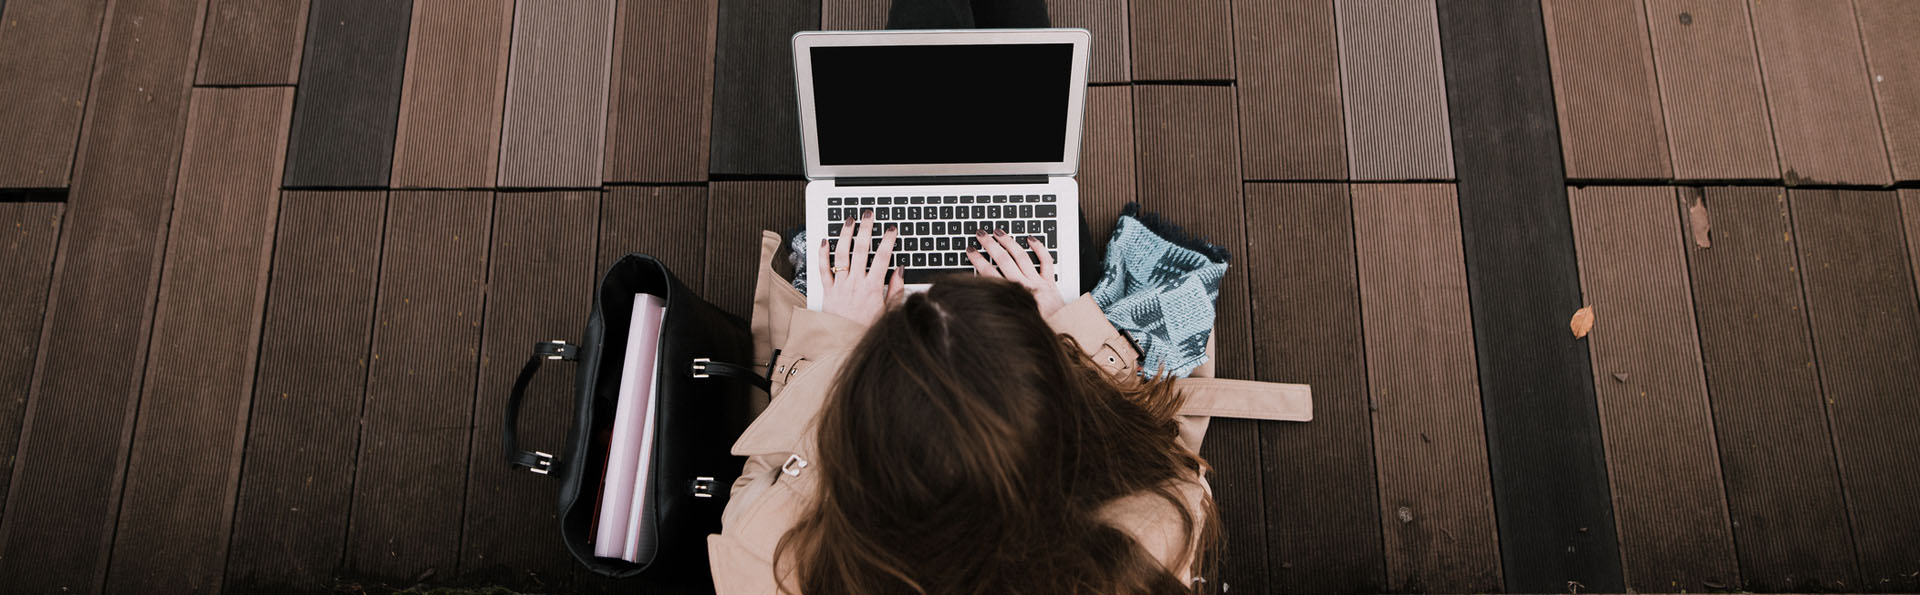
[1582, 322]
[1702, 225]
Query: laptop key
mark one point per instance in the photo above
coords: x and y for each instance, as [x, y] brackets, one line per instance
[1019, 227]
[966, 200]
[919, 200]
[833, 201]
[921, 228]
[866, 200]
[919, 259]
[913, 212]
[1046, 198]
[833, 230]
[946, 212]
[1044, 211]
[1026, 211]
[927, 275]
[979, 212]
[1014, 198]
[899, 213]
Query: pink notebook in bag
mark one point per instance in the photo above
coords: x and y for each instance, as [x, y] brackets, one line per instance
[623, 487]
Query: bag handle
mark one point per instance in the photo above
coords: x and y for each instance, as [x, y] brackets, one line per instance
[704, 368]
[531, 460]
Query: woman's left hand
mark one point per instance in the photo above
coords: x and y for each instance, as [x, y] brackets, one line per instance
[856, 288]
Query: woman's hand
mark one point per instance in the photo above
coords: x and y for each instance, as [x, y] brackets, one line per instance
[855, 289]
[1004, 258]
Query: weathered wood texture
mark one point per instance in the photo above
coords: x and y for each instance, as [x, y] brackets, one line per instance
[46, 57]
[854, 15]
[1112, 50]
[539, 288]
[1893, 67]
[65, 489]
[1181, 41]
[414, 430]
[661, 101]
[1435, 508]
[1710, 91]
[1106, 160]
[296, 485]
[176, 510]
[1395, 94]
[756, 121]
[554, 135]
[1604, 86]
[351, 72]
[1818, 93]
[1668, 497]
[1866, 338]
[736, 213]
[1288, 68]
[252, 42]
[1317, 478]
[29, 232]
[1783, 492]
[448, 133]
[668, 222]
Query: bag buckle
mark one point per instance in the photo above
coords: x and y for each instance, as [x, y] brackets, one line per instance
[557, 349]
[702, 487]
[793, 465]
[700, 367]
[543, 463]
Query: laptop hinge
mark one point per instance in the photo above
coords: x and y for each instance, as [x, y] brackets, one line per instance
[940, 180]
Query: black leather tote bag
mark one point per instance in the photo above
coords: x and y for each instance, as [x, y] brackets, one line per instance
[701, 409]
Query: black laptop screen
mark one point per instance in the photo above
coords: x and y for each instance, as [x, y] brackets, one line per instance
[895, 105]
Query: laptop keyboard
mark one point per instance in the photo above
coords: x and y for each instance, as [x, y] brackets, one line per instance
[935, 231]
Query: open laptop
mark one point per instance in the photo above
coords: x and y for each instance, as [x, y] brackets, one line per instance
[942, 133]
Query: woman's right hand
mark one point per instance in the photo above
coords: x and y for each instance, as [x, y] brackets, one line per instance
[1004, 258]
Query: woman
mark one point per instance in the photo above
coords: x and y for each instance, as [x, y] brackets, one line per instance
[981, 437]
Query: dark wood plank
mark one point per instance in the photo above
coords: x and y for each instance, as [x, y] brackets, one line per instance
[1106, 160]
[351, 71]
[736, 214]
[668, 222]
[1783, 491]
[46, 55]
[29, 232]
[1189, 173]
[1318, 477]
[1107, 21]
[1866, 336]
[1181, 41]
[756, 118]
[1536, 380]
[555, 130]
[854, 15]
[1818, 93]
[1709, 75]
[448, 132]
[1436, 512]
[1661, 458]
[66, 482]
[296, 484]
[1910, 209]
[662, 97]
[1396, 97]
[1288, 61]
[252, 42]
[539, 287]
[1609, 105]
[178, 500]
[1893, 65]
[420, 386]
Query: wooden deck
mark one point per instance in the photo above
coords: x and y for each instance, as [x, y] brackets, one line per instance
[267, 269]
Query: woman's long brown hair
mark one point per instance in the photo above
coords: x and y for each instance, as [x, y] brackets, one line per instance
[966, 448]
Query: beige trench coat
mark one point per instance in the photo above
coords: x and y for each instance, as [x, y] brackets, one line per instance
[780, 477]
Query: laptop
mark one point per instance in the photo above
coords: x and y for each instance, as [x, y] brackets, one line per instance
[944, 132]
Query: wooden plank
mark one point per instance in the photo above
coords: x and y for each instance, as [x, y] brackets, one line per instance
[854, 15]
[1910, 210]
[65, 488]
[555, 130]
[46, 54]
[1181, 41]
[1318, 477]
[1536, 380]
[420, 385]
[539, 287]
[1436, 512]
[1783, 492]
[178, 501]
[1107, 21]
[1893, 65]
[1189, 173]
[29, 232]
[296, 485]
[668, 222]
[1609, 104]
[736, 214]
[1866, 337]
[351, 71]
[1289, 76]
[252, 42]
[1396, 99]
[1818, 93]
[448, 132]
[1667, 490]
[662, 97]
[1106, 160]
[1710, 91]
[756, 117]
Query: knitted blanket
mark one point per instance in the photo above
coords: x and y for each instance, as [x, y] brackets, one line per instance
[1159, 287]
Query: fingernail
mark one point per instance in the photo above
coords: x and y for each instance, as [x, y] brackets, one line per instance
[866, 213]
[1000, 232]
[980, 233]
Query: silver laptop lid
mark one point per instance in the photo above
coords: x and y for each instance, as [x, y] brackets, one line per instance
[982, 102]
